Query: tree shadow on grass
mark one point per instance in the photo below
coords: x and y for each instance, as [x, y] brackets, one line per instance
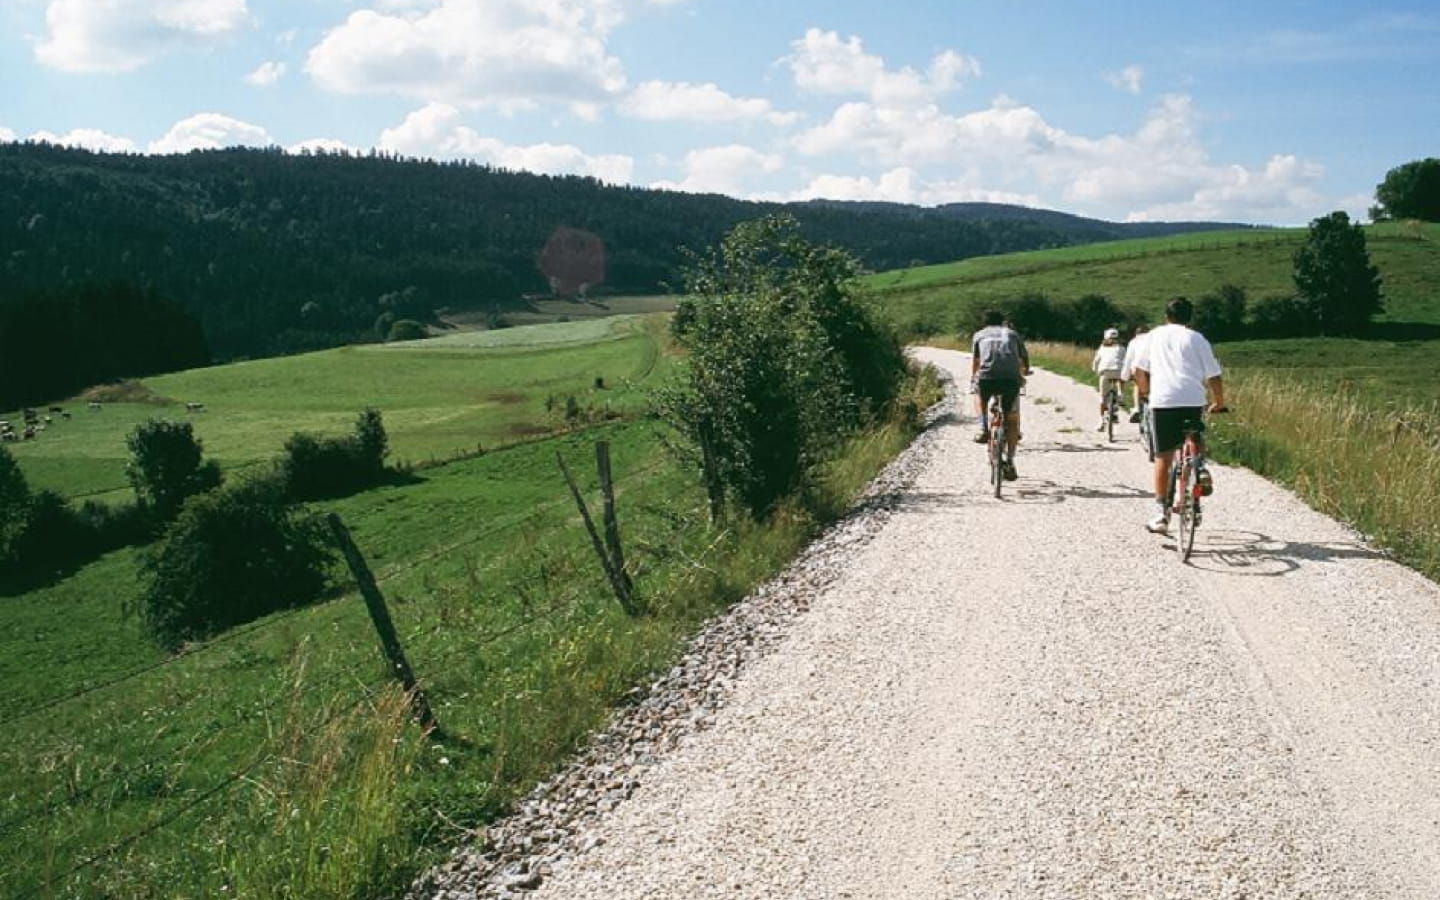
[1251, 553]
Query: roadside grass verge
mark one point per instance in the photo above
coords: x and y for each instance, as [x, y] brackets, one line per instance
[277, 761]
[1333, 440]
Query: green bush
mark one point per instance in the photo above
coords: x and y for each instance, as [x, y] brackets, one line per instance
[231, 556]
[1220, 315]
[166, 466]
[1282, 316]
[14, 505]
[406, 330]
[784, 360]
[313, 467]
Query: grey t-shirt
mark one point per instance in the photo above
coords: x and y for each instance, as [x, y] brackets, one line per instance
[999, 350]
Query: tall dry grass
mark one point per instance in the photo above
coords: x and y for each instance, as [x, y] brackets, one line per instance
[1374, 468]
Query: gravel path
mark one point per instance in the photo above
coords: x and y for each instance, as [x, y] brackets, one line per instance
[952, 696]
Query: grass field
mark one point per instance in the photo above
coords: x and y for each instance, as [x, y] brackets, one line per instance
[274, 761]
[440, 397]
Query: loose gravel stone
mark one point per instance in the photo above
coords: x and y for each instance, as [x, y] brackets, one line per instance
[950, 696]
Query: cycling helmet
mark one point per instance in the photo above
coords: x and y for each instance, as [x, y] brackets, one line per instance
[1111, 334]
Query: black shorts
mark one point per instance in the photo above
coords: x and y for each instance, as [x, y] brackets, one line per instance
[1169, 425]
[1008, 390]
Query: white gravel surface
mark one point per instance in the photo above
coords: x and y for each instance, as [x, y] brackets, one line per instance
[1030, 698]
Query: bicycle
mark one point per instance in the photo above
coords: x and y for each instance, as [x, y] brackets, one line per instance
[1182, 496]
[1112, 411]
[997, 452]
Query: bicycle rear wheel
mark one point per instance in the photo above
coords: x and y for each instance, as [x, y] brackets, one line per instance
[997, 458]
[1186, 509]
[1145, 435]
[1112, 411]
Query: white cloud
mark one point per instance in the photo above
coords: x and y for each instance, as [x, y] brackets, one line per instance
[88, 139]
[723, 170]
[328, 145]
[287, 37]
[123, 35]
[210, 131]
[6, 134]
[824, 64]
[906, 185]
[435, 131]
[1128, 79]
[506, 53]
[669, 101]
[1161, 170]
[266, 74]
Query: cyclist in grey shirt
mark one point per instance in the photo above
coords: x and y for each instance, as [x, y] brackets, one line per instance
[997, 367]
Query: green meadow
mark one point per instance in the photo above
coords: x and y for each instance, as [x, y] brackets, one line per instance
[277, 760]
[442, 397]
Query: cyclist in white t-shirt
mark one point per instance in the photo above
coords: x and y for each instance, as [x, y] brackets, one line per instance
[1174, 368]
[1108, 361]
[1127, 370]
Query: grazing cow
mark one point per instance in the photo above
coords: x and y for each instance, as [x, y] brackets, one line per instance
[57, 409]
[64, 415]
[194, 407]
[47, 420]
[29, 432]
[94, 405]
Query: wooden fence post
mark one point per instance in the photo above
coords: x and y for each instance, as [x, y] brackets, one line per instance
[611, 523]
[617, 583]
[380, 616]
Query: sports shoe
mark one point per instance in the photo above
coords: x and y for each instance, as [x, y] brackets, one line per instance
[1101, 426]
[1008, 472]
[1135, 417]
[982, 437]
[1202, 478]
[1158, 525]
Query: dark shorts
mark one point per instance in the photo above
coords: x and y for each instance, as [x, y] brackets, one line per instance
[1169, 425]
[1008, 390]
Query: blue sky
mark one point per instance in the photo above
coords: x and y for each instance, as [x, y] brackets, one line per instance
[1271, 112]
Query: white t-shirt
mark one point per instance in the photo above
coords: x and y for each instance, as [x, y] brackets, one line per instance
[1132, 350]
[1108, 358]
[1179, 361]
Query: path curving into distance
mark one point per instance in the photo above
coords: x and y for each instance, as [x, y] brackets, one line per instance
[1033, 698]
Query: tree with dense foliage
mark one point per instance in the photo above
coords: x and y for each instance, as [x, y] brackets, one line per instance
[276, 253]
[784, 360]
[1411, 191]
[55, 342]
[231, 556]
[166, 466]
[1334, 276]
[313, 467]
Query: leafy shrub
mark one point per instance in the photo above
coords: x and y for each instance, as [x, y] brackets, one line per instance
[1220, 315]
[54, 535]
[406, 330]
[14, 505]
[313, 467]
[784, 359]
[231, 556]
[1282, 316]
[166, 466]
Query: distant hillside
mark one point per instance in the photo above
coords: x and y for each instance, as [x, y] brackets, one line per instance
[1141, 274]
[275, 253]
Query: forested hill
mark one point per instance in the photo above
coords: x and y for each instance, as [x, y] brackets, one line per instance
[275, 253]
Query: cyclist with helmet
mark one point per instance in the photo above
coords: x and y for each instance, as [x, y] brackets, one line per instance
[1108, 362]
